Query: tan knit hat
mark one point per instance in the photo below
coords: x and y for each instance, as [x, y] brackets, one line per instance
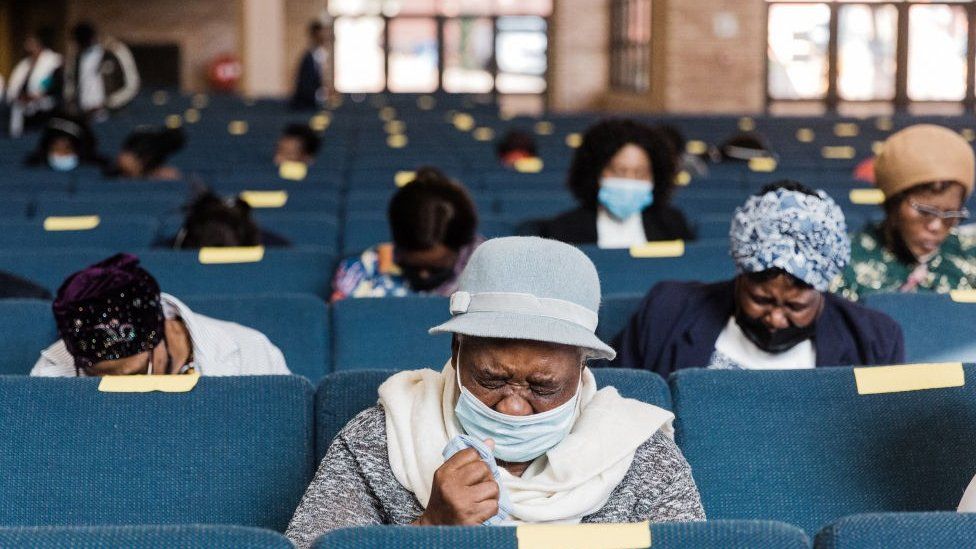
[924, 153]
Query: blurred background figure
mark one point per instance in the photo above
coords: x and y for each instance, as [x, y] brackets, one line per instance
[297, 143]
[215, 221]
[514, 146]
[66, 144]
[100, 75]
[29, 92]
[145, 152]
[313, 86]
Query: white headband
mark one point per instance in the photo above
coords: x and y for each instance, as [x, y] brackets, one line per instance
[525, 304]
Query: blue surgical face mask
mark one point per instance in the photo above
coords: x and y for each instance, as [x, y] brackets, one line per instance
[62, 163]
[518, 439]
[625, 197]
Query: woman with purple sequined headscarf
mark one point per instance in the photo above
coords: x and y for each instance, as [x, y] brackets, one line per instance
[113, 320]
[788, 243]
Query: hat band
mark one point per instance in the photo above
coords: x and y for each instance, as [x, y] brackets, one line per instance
[524, 304]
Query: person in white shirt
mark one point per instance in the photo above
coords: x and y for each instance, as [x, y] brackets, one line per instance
[113, 320]
[100, 76]
[29, 93]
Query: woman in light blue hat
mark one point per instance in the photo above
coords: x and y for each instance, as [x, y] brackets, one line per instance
[513, 428]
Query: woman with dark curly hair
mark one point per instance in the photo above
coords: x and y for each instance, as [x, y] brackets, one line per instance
[621, 176]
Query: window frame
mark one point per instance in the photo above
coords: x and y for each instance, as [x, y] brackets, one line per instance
[624, 71]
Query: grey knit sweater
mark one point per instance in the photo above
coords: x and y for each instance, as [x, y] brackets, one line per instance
[355, 486]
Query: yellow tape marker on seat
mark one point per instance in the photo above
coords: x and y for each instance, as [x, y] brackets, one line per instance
[655, 250]
[237, 127]
[224, 256]
[867, 197]
[320, 122]
[747, 124]
[463, 121]
[543, 128]
[877, 147]
[584, 536]
[397, 141]
[883, 124]
[174, 121]
[968, 134]
[683, 179]
[805, 135]
[192, 116]
[574, 140]
[696, 147]
[147, 384]
[838, 153]
[404, 177]
[293, 171]
[483, 134]
[528, 165]
[762, 164]
[387, 114]
[426, 103]
[72, 223]
[394, 127]
[846, 129]
[265, 199]
[910, 377]
[963, 296]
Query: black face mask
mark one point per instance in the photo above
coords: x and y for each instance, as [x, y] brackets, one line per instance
[773, 342]
[434, 279]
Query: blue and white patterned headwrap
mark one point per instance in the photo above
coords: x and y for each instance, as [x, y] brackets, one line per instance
[804, 235]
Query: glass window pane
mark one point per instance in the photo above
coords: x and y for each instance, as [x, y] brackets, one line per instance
[866, 42]
[523, 7]
[520, 51]
[797, 48]
[937, 37]
[413, 55]
[467, 55]
[453, 8]
[355, 7]
[392, 8]
[359, 54]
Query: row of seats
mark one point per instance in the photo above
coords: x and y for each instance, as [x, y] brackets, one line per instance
[801, 447]
[870, 531]
[317, 339]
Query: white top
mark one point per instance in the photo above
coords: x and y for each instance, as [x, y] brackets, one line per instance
[613, 233]
[47, 62]
[219, 348]
[734, 346]
[91, 92]
[968, 503]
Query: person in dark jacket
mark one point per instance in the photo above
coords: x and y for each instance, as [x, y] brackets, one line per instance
[788, 243]
[622, 176]
[100, 75]
[313, 83]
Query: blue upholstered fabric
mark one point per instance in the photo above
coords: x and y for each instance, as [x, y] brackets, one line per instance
[27, 326]
[690, 535]
[129, 233]
[342, 395]
[235, 450]
[141, 537]
[49, 267]
[804, 448]
[935, 327]
[900, 530]
[297, 323]
[615, 312]
[621, 273]
[389, 333]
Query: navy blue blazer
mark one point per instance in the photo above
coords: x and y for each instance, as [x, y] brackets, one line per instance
[678, 324]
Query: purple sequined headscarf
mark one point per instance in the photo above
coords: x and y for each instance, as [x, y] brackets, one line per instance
[109, 311]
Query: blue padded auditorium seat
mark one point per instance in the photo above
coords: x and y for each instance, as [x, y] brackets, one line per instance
[936, 328]
[342, 395]
[142, 537]
[621, 273]
[615, 313]
[901, 530]
[805, 448]
[234, 450]
[28, 327]
[149, 203]
[362, 231]
[297, 323]
[123, 233]
[689, 535]
[49, 267]
[390, 333]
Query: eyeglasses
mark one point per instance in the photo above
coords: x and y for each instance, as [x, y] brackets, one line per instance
[948, 217]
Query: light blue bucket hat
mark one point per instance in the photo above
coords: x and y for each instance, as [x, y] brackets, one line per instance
[529, 288]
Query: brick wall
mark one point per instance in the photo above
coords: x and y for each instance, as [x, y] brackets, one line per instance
[579, 68]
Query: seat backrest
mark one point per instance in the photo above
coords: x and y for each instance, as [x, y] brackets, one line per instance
[121, 233]
[804, 447]
[688, 535]
[389, 333]
[298, 324]
[621, 273]
[28, 328]
[615, 313]
[50, 267]
[342, 395]
[936, 328]
[234, 450]
[194, 536]
[902, 530]
[292, 270]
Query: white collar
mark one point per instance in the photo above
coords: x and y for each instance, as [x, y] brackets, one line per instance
[207, 345]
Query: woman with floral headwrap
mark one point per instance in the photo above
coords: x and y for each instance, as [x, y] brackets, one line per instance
[788, 243]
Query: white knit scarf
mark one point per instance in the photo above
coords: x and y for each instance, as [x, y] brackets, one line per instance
[569, 482]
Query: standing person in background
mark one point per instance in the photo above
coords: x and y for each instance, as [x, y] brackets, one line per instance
[622, 176]
[31, 82]
[99, 76]
[315, 75]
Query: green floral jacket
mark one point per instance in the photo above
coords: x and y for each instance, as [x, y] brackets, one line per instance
[874, 269]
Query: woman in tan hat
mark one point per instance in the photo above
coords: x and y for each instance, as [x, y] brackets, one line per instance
[926, 173]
